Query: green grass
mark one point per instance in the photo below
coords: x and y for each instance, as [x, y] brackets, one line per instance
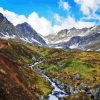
[60, 64]
[78, 65]
[15, 58]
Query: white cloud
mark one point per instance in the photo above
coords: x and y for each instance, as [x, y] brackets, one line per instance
[40, 24]
[82, 24]
[57, 28]
[70, 22]
[13, 17]
[64, 5]
[44, 26]
[88, 7]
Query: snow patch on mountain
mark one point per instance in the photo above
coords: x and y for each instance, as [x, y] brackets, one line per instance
[74, 46]
[7, 36]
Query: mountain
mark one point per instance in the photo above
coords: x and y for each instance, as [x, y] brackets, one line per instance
[65, 35]
[76, 39]
[31, 71]
[7, 29]
[29, 33]
[22, 32]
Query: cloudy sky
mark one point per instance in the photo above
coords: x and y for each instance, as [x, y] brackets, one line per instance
[50, 16]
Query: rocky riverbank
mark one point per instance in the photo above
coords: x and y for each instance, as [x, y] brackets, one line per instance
[81, 92]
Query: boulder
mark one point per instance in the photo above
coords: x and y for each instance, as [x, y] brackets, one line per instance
[72, 90]
[95, 93]
[77, 76]
[83, 86]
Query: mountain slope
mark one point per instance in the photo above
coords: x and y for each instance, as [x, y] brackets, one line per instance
[65, 35]
[22, 32]
[76, 38]
[7, 28]
[29, 33]
[17, 80]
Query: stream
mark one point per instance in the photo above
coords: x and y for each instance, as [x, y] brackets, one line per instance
[57, 93]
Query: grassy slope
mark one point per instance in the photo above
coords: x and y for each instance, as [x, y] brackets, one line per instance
[63, 65]
[60, 64]
[17, 80]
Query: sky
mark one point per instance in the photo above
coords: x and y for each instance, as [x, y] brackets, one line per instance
[51, 16]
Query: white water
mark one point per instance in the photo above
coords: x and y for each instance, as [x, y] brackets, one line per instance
[56, 92]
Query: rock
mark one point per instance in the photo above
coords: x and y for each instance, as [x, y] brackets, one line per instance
[77, 76]
[62, 85]
[67, 88]
[78, 96]
[41, 98]
[58, 82]
[72, 90]
[83, 86]
[56, 93]
[95, 93]
[53, 79]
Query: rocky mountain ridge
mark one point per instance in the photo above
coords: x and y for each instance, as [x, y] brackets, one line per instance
[22, 32]
[76, 39]
[85, 39]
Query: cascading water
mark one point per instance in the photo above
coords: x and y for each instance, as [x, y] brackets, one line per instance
[57, 93]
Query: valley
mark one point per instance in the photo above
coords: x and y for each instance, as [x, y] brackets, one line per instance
[73, 71]
[64, 66]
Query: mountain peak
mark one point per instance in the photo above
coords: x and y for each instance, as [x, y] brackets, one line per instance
[2, 17]
[73, 28]
[6, 27]
[26, 28]
[30, 33]
[1, 14]
[25, 23]
[64, 32]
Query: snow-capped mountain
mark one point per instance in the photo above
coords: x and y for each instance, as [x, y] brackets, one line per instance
[74, 38]
[22, 32]
[65, 35]
[84, 39]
